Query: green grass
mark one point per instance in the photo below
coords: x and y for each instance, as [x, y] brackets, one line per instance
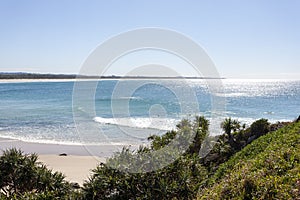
[268, 168]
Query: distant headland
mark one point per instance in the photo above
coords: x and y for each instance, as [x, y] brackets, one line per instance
[25, 75]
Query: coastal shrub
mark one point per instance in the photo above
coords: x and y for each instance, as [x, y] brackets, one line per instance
[189, 174]
[21, 175]
[260, 127]
[178, 180]
[235, 138]
[245, 163]
[268, 168]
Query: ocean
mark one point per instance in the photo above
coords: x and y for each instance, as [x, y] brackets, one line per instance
[43, 112]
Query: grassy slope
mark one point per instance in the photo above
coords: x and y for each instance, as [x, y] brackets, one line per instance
[268, 168]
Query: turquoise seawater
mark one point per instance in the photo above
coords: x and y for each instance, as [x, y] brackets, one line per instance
[43, 112]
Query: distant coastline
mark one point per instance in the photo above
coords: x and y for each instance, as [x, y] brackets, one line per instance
[24, 75]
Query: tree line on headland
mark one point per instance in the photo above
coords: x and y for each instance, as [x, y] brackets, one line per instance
[261, 161]
[22, 75]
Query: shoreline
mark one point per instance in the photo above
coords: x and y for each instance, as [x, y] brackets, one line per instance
[105, 150]
[76, 165]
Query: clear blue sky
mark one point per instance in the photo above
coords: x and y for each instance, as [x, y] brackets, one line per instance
[254, 38]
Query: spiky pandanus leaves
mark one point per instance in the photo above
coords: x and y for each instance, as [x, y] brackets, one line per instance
[22, 175]
[176, 180]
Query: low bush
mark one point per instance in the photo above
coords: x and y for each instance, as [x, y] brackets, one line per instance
[21, 175]
[268, 168]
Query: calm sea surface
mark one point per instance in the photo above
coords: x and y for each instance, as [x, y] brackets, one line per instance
[43, 112]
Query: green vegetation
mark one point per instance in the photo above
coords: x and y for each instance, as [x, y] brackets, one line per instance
[178, 180]
[22, 177]
[268, 168]
[256, 162]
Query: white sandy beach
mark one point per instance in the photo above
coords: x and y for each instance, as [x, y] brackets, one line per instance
[76, 166]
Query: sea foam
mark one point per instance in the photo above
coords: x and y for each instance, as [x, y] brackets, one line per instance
[140, 122]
